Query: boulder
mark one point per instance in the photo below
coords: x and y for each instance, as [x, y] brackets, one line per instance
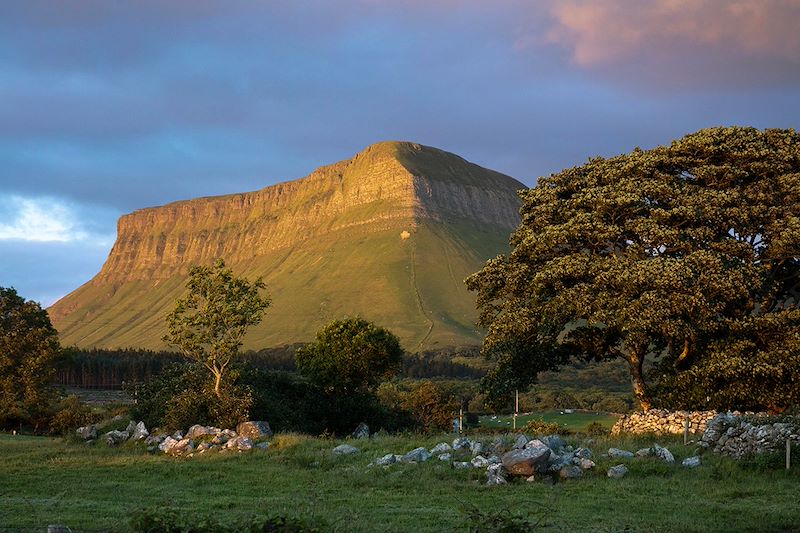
[154, 439]
[203, 447]
[198, 430]
[644, 452]
[583, 453]
[445, 456]
[87, 432]
[240, 443]
[476, 448]
[617, 471]
[361, 432]
[257, 429]
[557, 462]
[386, 460]
[664, 454]
[131, 427]
[526, 461]
[181, 447]
[587, 464]
[616, 453]
[554, 442]
[442, 447]
[496, 475]
[461, 465]
[114, 438]
[166, 444]
[140, 432]
[461, 442]
[570, 472]
[520, 442]
[691, 462]
[417, 455]
[345, 449]
[480, 461]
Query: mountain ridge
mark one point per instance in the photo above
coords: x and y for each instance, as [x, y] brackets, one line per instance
[296, 228]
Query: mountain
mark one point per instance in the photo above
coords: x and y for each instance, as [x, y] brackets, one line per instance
[388, 235]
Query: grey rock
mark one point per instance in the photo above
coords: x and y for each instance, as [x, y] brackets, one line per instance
[256, 429]
[178, 435]
[520, 442]
[583, 453]
[345, 449]
[166, 444]
[554, 442]
[114, 438]
[445, 456]
[442, 447]
[461, 465]
[131, 427]
[480, 461]
[617, 471]
[140, 432]
[87, 432]
[570, 472]
[202, 447]
[664, 454]
[198, 430]
[183, 446]
[587, 464]
[386, 460]
[616, 453]
[476, 448]
[361, 432]
[461, 442]
[240, 443]
[496, 475]
[691, 462]
[494, 460]
[154, 439]
[417, 455]
[644, 452]
[557, 462]
[263, 445]
[526, 461]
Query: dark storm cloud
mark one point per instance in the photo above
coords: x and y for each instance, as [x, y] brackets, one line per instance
[112, 106]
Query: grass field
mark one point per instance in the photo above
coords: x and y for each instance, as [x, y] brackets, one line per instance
[574, 421]
[47, 481]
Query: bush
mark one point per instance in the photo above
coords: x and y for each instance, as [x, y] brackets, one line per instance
[429, 406]
[71, 415]
[540, 427]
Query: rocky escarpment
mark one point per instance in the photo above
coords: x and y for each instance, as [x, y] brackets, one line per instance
[327, 245]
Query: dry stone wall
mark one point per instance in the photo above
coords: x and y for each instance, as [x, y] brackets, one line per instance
[663, 422]
[736, 436]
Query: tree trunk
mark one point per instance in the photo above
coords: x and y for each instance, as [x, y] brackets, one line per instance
[217, 381]
[635, 362]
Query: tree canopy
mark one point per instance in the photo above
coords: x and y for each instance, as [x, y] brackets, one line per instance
[687, 256]
[350, 356]
[209, 323]
[29, 349]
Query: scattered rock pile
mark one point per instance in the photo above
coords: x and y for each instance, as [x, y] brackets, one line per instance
[737, 436]
[663, 422]
[198, 439]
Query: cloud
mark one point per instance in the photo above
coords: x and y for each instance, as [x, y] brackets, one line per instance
[41, 220]
[680, 42]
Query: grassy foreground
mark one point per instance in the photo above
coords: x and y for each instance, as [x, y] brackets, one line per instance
[48, 481]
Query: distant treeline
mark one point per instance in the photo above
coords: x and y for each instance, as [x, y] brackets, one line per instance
[100, 368]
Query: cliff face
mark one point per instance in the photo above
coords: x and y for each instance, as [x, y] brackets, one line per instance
[387, 188]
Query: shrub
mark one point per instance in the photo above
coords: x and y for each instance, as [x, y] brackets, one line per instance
[429, 406]
[540, 427]
[71, 414]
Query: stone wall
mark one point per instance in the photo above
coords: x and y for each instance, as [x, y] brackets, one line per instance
[663, 422]
[736, 436]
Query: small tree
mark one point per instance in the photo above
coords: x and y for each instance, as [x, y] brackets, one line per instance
[209, 323]
[29, 349]
[350, 356]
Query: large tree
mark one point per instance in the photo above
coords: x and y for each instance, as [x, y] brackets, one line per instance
[209, 323]
[29, 349]
[658, 254]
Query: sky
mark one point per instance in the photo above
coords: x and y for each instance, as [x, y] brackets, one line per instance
[107, 106]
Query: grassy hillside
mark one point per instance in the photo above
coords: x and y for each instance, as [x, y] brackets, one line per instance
[412, 286]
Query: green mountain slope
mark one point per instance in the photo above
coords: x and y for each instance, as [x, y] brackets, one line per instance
[388, 235]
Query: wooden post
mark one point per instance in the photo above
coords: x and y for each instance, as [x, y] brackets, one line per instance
[686, 431]
[788, 454]
[516, 408]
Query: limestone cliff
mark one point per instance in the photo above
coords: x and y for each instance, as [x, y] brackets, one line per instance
[350, 213]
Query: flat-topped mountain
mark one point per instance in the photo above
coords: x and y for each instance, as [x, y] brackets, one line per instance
[388, 235]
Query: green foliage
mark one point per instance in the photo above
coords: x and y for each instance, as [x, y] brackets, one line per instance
[430, 406]
[162, 520]
[502, 521]
[350, 356]
[209, 323]
[654, 255]
[29, 350]
[537, 426]
[70, 415]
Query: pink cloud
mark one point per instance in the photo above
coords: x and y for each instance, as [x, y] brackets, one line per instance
[706, 39]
